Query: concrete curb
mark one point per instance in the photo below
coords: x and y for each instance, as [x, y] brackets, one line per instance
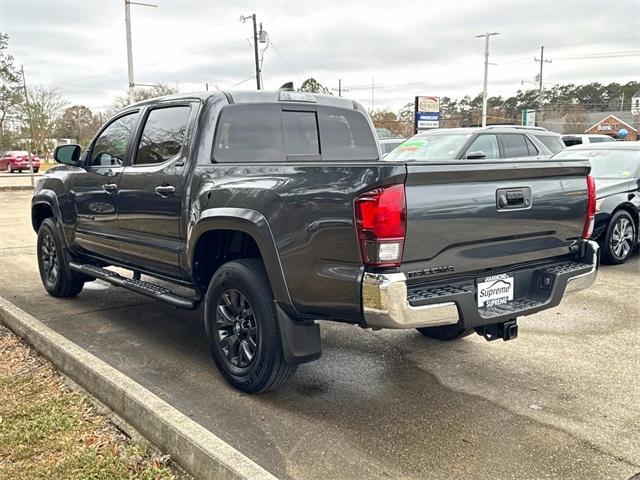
[11, 188]
[194, 448]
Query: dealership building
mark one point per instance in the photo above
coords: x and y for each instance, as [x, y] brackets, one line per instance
[607, 123]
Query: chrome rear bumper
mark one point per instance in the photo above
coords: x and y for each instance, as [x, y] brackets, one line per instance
[386, 305]
[385, 300]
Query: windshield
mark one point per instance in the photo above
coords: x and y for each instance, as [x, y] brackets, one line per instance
[607, 163]
[430, 147]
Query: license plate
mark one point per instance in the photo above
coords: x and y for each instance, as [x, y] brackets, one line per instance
[495, 290]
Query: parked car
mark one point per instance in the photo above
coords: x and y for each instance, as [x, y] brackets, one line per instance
[580, 139]
[388, 144]
[616, 169]
[18, 160]
[384, 133]
[275, 209]
[489, 143]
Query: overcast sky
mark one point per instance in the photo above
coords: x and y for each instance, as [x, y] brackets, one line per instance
[405, 48]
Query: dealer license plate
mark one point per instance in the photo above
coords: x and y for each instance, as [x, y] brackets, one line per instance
[495, 290]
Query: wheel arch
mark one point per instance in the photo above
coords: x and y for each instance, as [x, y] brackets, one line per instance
[235, 226]
[44, 205]
[632, 211]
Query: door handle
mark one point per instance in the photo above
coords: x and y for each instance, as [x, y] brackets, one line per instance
[110, 187]
[165, 190]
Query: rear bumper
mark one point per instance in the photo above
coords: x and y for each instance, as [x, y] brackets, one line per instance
[389, 302]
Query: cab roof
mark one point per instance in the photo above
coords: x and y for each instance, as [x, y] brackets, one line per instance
[253, 96]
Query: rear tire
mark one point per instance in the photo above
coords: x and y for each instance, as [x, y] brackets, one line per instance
[242, 328]
[445, 333]
[620, 239]
[57, 278]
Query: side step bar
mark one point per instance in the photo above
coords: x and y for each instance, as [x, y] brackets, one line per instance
[138, 286]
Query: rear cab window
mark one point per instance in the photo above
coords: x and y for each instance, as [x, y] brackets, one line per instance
[290, 132]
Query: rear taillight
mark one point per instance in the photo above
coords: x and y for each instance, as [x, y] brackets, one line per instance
[381, 216]
[591, 208]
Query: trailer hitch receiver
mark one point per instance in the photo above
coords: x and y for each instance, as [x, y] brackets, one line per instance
[505, 330]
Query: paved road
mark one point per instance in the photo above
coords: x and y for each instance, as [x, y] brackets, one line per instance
[560, 401]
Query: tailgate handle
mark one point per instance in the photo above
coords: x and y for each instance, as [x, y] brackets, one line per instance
[510, 198]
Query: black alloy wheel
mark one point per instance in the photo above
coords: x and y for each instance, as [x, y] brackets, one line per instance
[57, 278]
[237, 331]
[50, 260]
[241, 324]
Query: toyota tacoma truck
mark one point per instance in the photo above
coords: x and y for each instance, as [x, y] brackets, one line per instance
[276, 210]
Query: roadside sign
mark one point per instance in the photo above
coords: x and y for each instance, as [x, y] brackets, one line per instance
[427, 113]
[529, 118]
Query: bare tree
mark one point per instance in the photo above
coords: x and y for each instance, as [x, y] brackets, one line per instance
[141, 93]
[45, 108]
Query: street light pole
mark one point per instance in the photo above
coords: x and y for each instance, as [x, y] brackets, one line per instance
[486, 74]
[540, 87]
[127, 20]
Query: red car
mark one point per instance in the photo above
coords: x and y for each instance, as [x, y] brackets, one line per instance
[17, 161]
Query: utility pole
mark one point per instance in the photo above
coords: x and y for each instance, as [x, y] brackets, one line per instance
[255, 45]
[540, 87]
[372, 89]
[486, 74]
[339, 89]
[26, 100]
[127, 20]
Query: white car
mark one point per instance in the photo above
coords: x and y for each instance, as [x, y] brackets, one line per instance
[583, 139]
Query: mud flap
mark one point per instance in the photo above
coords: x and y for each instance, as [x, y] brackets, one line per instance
[300, 340]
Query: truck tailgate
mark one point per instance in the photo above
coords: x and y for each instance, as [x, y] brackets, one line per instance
[467, 216]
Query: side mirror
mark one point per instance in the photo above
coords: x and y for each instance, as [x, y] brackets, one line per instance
[479, 155]
[67, 154]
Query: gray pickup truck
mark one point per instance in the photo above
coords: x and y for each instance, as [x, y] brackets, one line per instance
[276, 210]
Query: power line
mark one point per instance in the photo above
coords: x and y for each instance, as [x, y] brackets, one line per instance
[285, 60]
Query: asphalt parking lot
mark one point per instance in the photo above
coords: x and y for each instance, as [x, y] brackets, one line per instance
[560, 401]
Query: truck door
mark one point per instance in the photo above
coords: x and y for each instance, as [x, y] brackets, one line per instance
[152, 190]
[95, 190]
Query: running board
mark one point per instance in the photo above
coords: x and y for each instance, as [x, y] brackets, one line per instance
[138, 286]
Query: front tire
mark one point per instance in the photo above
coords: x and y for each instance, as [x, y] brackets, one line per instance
[620, 238]
[57, 278]
[445, 333]
[242, 328]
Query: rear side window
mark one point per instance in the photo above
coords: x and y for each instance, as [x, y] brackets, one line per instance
[553, 143]
[515, 146]
[266, 133]
[163, 135]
